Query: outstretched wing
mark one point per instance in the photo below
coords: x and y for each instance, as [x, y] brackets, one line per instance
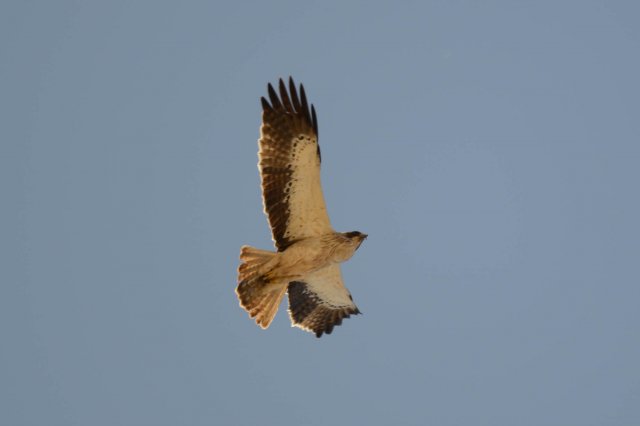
[289, 163]
[321, 301]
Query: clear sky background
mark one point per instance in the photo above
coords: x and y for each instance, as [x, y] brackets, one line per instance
[489, 149]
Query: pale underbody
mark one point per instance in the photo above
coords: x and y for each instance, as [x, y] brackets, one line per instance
[307, 255]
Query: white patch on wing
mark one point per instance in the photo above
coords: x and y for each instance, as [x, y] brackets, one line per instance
[327, 284]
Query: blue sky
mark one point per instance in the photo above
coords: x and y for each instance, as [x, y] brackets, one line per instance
[489, 149]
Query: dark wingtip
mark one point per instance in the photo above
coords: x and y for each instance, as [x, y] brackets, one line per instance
[273, 96]
[305, 105]
[293, 101]
[314, 120]
[265, 104]
[294, 95]
[285, 97]
[303, 97]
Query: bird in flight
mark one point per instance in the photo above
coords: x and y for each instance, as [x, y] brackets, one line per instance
[306, 264]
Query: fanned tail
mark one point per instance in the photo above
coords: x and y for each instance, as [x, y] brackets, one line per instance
[259, 297]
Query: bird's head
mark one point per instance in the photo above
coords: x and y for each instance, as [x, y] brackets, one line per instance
[355, 238]
[345, 244]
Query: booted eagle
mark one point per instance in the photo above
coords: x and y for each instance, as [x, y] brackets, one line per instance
[306, 264]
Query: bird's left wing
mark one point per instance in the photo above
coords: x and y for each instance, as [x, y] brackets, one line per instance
[320, 301]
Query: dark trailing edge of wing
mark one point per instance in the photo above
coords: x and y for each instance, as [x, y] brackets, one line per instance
[306, 309]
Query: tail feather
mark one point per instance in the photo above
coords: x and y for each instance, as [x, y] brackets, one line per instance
[248, 252]
[252, 259]
[259, 297]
